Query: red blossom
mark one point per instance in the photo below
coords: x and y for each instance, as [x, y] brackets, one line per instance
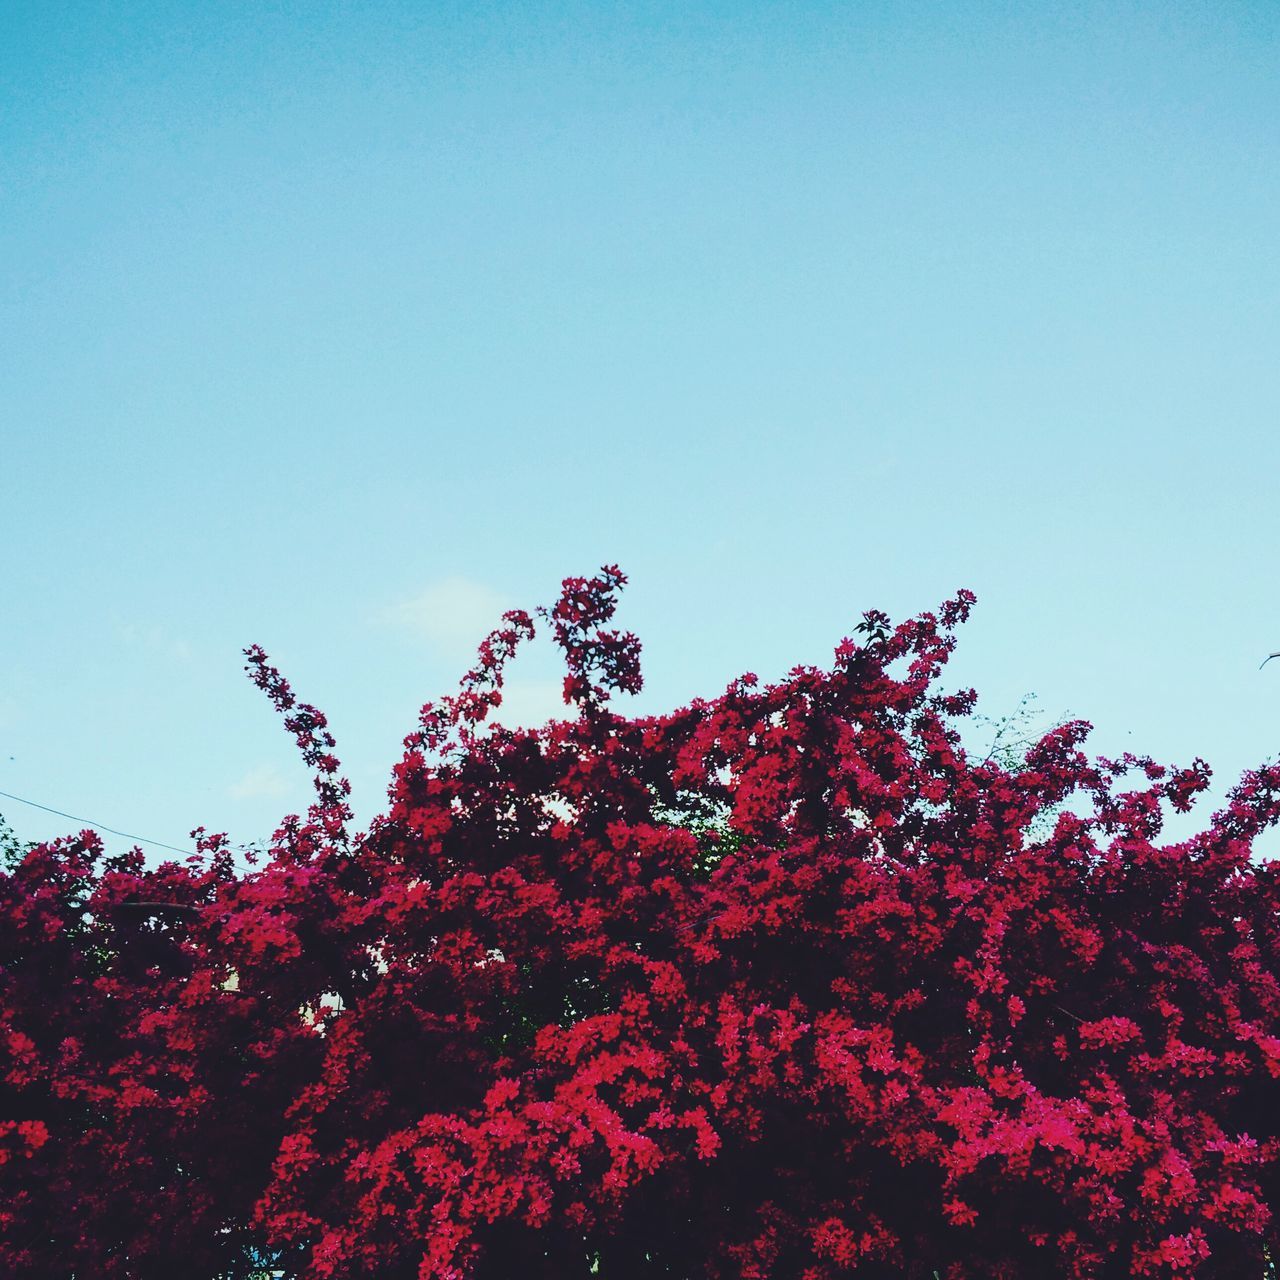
[785, 983]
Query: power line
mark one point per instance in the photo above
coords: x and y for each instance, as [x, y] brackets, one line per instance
[97, 826]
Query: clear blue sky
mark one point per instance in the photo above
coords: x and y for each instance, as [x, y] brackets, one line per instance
[338, 327]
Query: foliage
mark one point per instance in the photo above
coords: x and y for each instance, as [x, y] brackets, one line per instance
[781, 984]
[12, 850]
[1013, 737]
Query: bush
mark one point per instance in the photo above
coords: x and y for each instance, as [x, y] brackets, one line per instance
[782, 984]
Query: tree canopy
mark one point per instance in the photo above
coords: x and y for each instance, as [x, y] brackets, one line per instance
[784, 983]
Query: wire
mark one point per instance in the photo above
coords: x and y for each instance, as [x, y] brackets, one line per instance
[97, 826]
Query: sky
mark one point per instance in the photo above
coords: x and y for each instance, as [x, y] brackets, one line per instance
[340, 328]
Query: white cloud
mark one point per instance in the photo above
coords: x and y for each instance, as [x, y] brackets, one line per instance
[529, 703]
[154, 642]
[453, 615]
[262, 783]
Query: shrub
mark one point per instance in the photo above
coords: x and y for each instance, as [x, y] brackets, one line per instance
[782, 984]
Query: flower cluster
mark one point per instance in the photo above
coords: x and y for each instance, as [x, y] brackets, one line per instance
[785, 983]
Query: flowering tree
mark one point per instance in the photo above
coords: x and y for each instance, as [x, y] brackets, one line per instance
[781, 984]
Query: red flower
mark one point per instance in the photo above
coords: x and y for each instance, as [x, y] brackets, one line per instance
[782, 983]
